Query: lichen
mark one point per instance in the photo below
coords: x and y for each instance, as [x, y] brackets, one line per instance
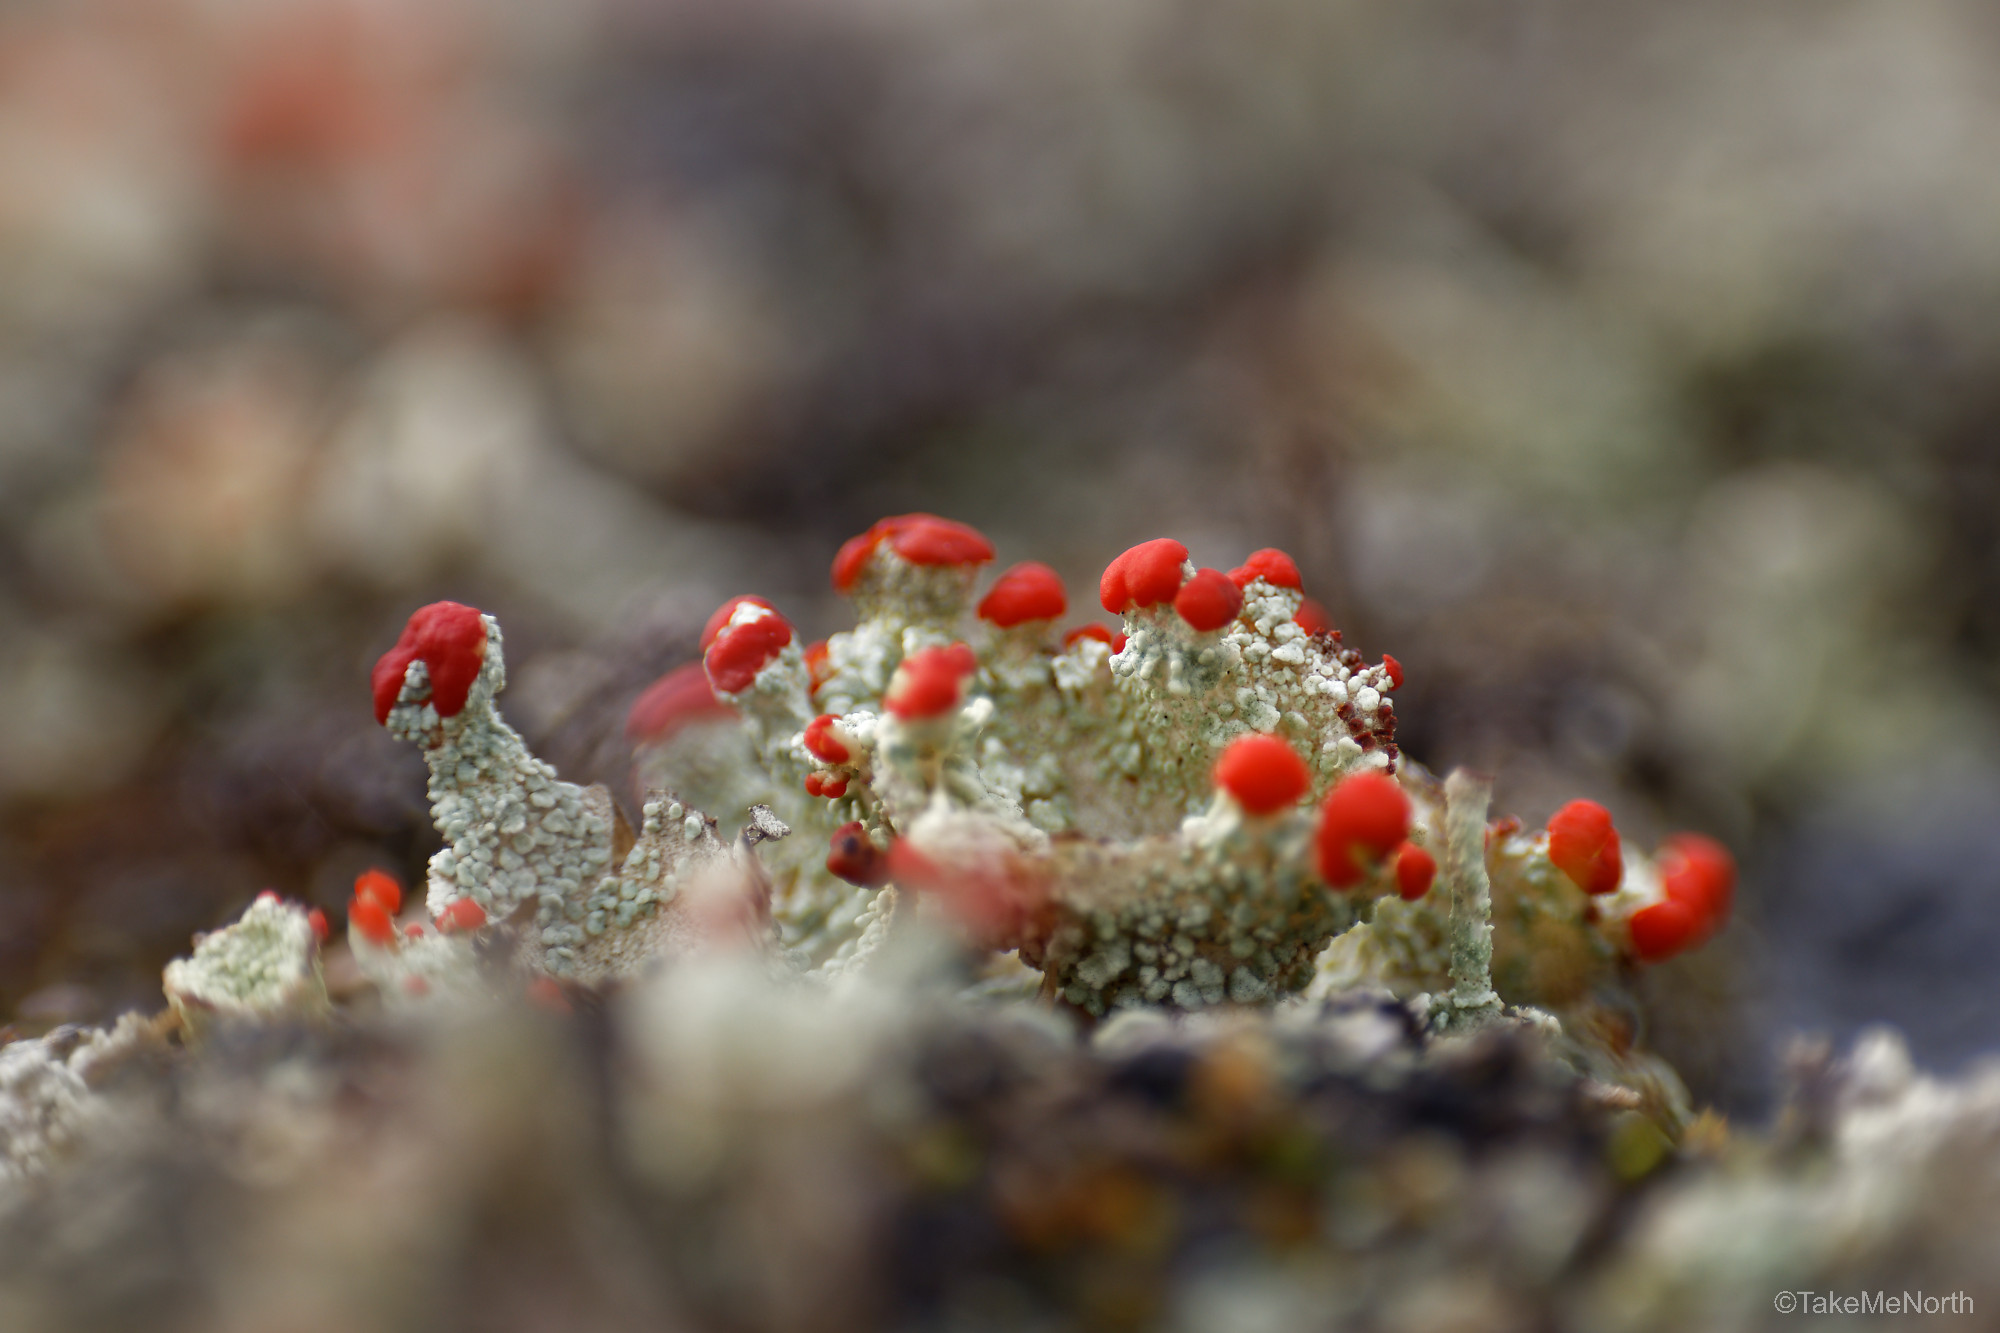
[1064, 803]
[263, 965]
[1059, 801]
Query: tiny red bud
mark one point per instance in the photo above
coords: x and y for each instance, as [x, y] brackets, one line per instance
[1395, 670]
[852, 857]
[821, 742]
[1029, 591]
[1698, 877]
[1700, 874]
[382, 887]
[1101, 633]
[1208, 601]
[1312, 618]
[1264, 774]
[1271, 565]
[366, 917]
[1661, 930]
[317, 920]
[927, 683]
[1367, 814]
[1415, 869]
[1584, 845]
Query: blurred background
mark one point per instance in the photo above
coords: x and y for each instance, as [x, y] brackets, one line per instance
[1630, 371]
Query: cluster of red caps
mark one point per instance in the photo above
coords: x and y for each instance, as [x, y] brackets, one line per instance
[931, 682]
[826, 742]
[1152, 573]
[1364, 821]
[1697, 879]
[1028, 594]
[378, 897]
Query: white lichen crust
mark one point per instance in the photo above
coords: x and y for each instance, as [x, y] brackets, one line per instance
[1229, 911]
[43, 1100]
[679, 886]
[264, 964]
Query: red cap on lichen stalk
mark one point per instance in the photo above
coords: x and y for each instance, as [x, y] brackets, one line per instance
[1208, 601]
[1415, 869]
[372, 914]
[680, 697]
[449, 638]
[920, 539]
[1584, 845]
[1271, 565]
[1145, 575]
[1264, 774]
[367, 919]
[1698, 883]
[929, 682]
[1030, 591]
[825, 741]
[382, 887]
[1365, 816]
[852, 857]
[744, 646]
[720, 616]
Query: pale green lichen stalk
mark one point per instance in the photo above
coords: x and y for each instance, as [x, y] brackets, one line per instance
[521, 840]
[513, 830]
[263, 965]
[1468, 895]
